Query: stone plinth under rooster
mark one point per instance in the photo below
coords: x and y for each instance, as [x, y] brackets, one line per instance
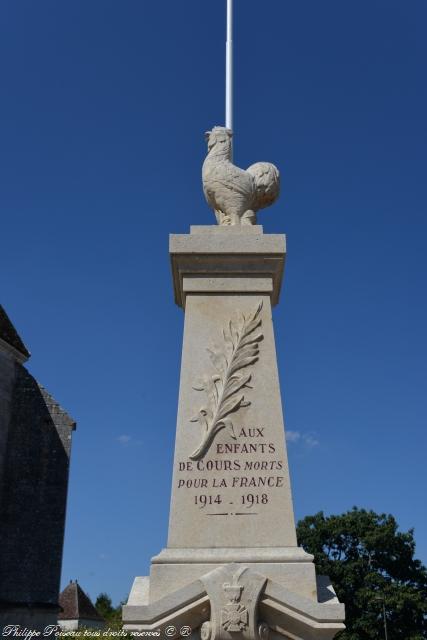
[232, 567]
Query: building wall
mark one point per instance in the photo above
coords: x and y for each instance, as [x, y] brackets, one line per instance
[68, 625]
[72, 625]
[7, 379]
[35, 618]
[35, 463]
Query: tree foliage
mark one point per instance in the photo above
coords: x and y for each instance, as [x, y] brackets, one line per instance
[104, 605]
[370, 562]
[112, 615]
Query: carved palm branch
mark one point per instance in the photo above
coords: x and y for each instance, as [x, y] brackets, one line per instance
[224, 388]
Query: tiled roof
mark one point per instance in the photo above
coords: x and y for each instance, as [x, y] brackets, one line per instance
[9, 334]
[76, 604]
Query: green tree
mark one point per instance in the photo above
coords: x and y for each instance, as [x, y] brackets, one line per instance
[369, 561]
[104, 605]
[115, 619]
[112, 615]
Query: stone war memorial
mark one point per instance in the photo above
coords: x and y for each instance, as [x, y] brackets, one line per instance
[232, 568]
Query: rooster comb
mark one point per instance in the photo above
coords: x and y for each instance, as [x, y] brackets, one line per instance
[218, 130]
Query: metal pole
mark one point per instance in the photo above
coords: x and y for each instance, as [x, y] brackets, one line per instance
[229, 68]
[385, 621]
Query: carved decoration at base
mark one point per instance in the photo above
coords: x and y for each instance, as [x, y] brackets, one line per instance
[234, 615]
[206, 631]
[234, 592]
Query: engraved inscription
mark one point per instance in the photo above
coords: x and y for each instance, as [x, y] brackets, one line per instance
[235, 478]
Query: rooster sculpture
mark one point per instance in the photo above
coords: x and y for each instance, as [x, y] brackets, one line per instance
[234, 194]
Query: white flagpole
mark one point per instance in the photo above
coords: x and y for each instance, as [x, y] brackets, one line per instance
[229, 68]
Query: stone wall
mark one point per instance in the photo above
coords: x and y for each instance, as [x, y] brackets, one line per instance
[35, 453]
[7, 379]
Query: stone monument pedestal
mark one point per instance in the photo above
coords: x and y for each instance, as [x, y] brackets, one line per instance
[232, 567]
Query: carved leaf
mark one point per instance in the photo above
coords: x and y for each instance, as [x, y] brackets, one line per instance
[207, 440]
[250, 351]
[252, 339]
[241, 350]
[237, 382]
[234, 334]
[218, 360]
[243, 362]
[230, 405]
[201, 418]
[230, 428]
[211, 390]
[227, 336]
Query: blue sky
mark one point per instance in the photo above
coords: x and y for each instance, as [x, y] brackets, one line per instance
[103, 109]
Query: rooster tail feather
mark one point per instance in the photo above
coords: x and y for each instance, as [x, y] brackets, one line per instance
[267, 183]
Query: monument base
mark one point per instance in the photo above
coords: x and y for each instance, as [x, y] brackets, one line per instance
[290, 567]
[270, 594]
